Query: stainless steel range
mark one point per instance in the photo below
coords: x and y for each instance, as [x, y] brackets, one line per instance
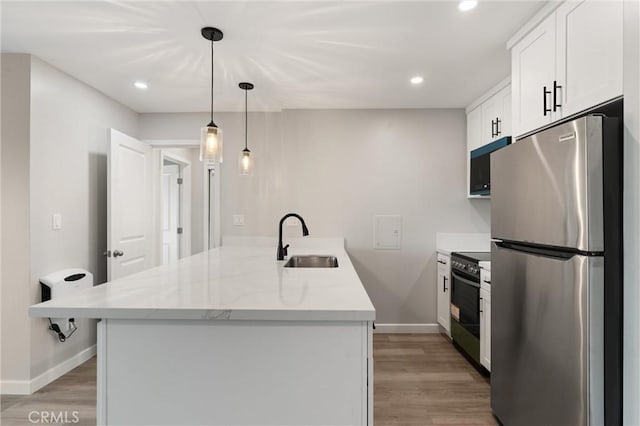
[465, 303]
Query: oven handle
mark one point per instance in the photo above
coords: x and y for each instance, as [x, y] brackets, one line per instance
[464, 280]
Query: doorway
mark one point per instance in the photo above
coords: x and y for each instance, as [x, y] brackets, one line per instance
[204, 180]
[175, 207]
[212, 197]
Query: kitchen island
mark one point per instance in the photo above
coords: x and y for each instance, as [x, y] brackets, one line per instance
[231, 336]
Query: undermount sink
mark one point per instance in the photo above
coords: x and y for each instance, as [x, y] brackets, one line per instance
[312, 262]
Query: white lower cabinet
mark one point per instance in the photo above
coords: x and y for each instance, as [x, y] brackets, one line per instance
[485, 318]
[444, 292]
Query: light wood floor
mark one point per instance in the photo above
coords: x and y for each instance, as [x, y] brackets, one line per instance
[420, 380]
[75, 391]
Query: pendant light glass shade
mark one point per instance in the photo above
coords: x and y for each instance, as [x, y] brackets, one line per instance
[211, 135]
[211, 143]
[246, 160]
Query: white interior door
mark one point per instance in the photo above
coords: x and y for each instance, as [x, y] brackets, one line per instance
[212, 207]
[170, 213]
[129, 206]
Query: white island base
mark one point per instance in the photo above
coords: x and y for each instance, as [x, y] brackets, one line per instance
[179, 372]
[232, 337]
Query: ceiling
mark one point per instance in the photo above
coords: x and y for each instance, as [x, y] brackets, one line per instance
[299, 55]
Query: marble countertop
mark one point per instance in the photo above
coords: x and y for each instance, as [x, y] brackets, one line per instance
[235, 282]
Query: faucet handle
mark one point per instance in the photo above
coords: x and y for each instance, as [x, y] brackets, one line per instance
[284, 250]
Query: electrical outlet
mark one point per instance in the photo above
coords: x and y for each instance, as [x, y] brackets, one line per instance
[238, 220]
[56, 222]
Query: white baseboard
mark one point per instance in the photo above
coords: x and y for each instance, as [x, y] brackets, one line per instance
[407, 328]
[15, 387]
[27, 387]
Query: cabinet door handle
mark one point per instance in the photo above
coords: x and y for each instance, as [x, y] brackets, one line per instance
[442, 262]
[493, 132]
[556, 86]
[480, 305]
[498, 121]
[545, 92]
[444, 284]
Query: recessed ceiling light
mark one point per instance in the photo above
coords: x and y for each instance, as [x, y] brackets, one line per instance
[417, 79]
[466, 5]
[141, 85]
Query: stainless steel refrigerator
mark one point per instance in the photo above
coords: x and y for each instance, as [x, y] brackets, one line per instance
[556, 276]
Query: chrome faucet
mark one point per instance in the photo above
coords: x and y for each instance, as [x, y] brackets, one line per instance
[282, 251]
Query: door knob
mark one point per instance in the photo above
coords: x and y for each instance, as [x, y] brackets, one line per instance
[117, 253]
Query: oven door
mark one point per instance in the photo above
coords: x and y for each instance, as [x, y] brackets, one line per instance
[465, 313]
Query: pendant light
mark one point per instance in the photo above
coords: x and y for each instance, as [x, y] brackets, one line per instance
[211, 135]
[247, 159]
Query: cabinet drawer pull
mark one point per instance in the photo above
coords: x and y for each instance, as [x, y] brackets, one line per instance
[442, 262]
[556, 86]
[444, 284]
[545, 92]
[488, 282]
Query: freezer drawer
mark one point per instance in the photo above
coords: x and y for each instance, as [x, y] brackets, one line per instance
[547, 338]
[547, 189]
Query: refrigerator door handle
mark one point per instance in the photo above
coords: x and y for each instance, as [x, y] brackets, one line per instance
[539, 251]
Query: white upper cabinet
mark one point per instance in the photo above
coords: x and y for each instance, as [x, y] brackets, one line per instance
[496, 116]
[491, 113]
[532, 74]
[474, 129]
[570, 62]
[505, 127]
[488, 119]
[589, 62]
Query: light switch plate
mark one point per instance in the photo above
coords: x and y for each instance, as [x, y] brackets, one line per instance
[56, 221]
[387, 232]
[238, 220]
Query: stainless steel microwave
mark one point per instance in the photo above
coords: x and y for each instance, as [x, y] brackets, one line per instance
[480, 171]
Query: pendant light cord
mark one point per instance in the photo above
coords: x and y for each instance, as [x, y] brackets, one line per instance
[246, 119]
[212, 79]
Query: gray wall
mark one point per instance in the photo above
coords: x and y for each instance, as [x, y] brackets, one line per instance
[54, 145]
[339, 168]
[69, 136]
[14, 288]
